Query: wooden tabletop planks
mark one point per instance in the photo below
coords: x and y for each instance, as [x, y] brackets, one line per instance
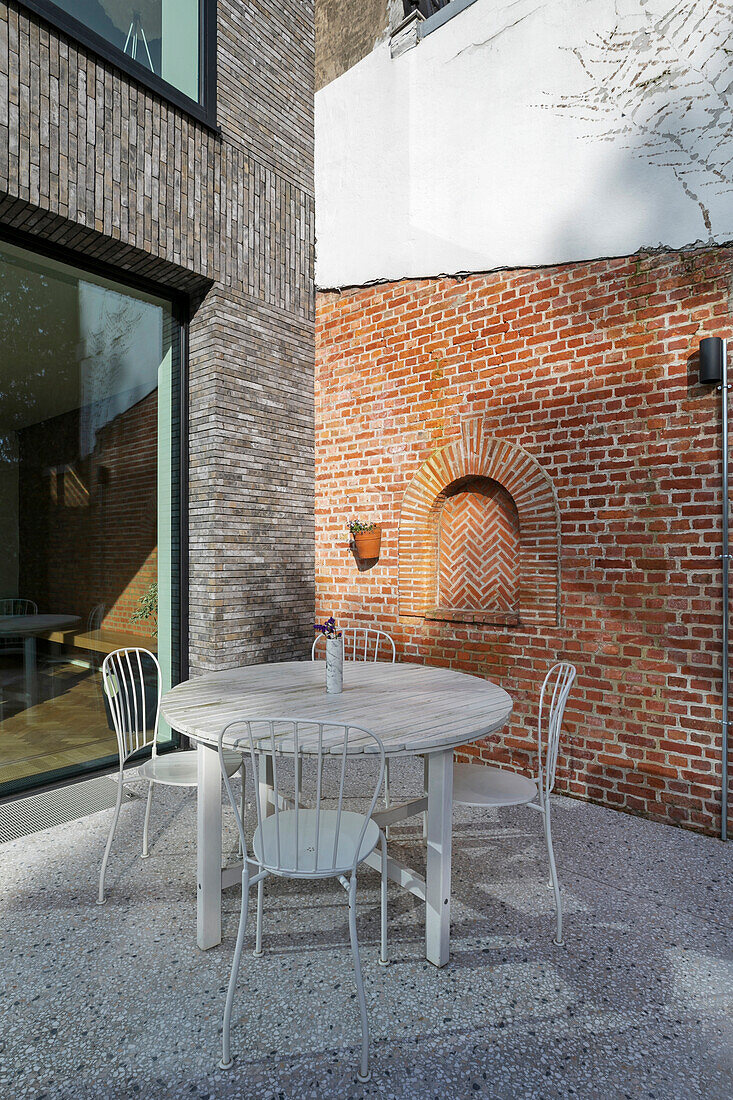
[412, 708]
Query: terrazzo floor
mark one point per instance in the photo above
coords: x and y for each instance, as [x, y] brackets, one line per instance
[118, 1001]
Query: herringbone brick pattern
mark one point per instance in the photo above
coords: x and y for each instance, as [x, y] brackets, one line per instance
[478, 549]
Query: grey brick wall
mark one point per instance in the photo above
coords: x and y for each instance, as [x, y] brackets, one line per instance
[101, 165]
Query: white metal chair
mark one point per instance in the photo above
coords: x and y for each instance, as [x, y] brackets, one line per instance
[12, 607]
[310, 841]
[95, 618]
[17, 606]
[365, 643]
[481, 785]
[132, 682]
[362, 643]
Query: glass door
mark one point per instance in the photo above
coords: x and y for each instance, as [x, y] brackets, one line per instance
[89, 506]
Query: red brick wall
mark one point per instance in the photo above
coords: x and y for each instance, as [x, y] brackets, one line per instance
[590, 367]
[88, 534]
[128, 448]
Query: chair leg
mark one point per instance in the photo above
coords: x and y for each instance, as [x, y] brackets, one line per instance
[226, 1058]
[383, 956]
[553, 875]
[258, 933]
[110, 838]
[363, 1073]
[147, 820]
[243, 815]
[386, 790]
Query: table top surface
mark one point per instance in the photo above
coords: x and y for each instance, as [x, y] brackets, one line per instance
[412, 708]
[19, 625]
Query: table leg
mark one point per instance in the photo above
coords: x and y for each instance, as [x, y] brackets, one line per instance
[266, 784]
[30, 673]
[208, 866]
[440, 835]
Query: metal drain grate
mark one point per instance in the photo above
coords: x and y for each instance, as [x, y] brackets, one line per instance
[48, 808]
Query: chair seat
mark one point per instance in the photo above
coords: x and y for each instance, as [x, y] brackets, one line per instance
[480, 785]
[305, 860]
[180, 769]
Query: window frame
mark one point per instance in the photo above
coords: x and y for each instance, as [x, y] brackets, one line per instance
[181, 311]
[203, 111]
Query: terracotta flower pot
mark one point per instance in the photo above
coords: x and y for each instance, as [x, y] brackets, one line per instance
[368, 542]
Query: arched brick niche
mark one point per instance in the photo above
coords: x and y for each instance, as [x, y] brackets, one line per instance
[478, 550]
[479, 537]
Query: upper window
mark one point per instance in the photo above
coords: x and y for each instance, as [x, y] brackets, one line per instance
[163, 43]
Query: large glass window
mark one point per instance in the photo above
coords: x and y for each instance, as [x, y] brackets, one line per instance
[89, 506]
[164, 37]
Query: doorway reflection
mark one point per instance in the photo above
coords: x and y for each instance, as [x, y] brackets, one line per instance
[89, 423]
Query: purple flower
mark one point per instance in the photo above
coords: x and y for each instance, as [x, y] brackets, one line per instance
[328, 628]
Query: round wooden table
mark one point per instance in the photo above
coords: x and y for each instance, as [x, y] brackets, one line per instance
[414, 709]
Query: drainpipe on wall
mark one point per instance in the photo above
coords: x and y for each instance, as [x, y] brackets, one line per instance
[714, 369]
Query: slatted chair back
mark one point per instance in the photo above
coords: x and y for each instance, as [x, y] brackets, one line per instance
[307, 834]
[16, 606]
[553, 697]
[95, 617]
[133, 683]
[362, 643]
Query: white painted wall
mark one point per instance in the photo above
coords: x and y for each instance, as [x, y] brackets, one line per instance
[525, 133]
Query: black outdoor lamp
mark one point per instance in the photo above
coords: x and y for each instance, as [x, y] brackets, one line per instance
[714, 371]
[712, 360]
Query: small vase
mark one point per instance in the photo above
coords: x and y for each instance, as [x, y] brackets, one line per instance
[335, 665]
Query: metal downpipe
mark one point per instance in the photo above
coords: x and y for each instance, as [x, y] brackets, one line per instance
[726, 563]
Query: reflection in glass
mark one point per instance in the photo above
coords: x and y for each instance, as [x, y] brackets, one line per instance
[162, 35]
[88, 505]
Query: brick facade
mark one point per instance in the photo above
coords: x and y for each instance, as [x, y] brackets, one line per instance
[591, 368]
[99, 164]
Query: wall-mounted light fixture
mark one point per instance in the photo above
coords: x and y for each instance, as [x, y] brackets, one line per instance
[714, 371]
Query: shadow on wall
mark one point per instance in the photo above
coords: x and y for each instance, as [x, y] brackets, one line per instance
[659, 86]
[647, 144]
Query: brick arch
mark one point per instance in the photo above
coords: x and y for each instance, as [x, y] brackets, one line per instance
[476, 455]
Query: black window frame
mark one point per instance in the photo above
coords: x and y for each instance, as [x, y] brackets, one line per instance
[204, 111]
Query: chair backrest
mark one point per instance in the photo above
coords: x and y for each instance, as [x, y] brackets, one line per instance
[133, 683]
[553, 697]
[96, 617]
[316, 841]
[17, 606]
[362, 643]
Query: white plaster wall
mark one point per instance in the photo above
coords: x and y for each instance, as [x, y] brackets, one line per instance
[526, 133]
